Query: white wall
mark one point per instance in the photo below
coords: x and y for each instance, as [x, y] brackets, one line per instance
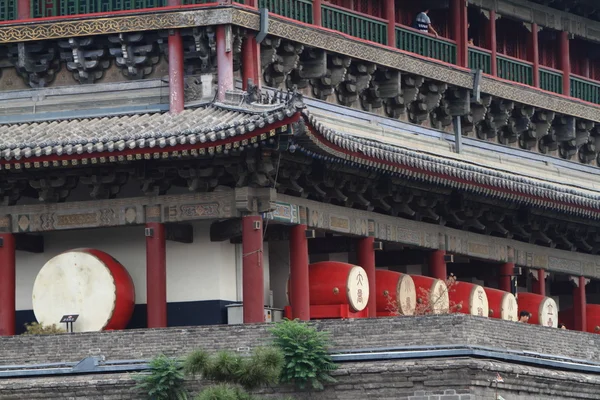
[202, 270]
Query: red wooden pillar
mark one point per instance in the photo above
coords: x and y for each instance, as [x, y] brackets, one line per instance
[365, 253]
[535, 54]
[437, 265]
[538, 285]
[251, 3]
[316, 4]
[299, 282]
[7, 284]
[24, 9]
[579, 302]
[492, 43]
[506, 271]
[253, 285]
[250, 62]
[156, 275]
[565, 62]
[460, 26]
[224, 60]
[176, 75]
[390, 12]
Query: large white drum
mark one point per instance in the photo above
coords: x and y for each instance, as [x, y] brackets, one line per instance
[87, 282]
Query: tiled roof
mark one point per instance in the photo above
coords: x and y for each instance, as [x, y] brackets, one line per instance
[209, 123]
[322, 142]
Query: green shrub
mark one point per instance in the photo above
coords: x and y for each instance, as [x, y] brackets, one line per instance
[306, 359]
[219, 392]
[39, 329]
[164, 381]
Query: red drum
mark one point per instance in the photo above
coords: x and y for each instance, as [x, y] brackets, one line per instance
[543, 309]
[433, 293]
[503, 305]
[87, 282]
[396, 293]
[335, 283]
[592, 311]
[469, 299]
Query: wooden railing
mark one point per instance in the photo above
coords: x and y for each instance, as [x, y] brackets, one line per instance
[300, 10]
[426, 45]
[551, 80]
[8, 10]
[355, 24]
[585, 89]
[515, 70]
[480, 59]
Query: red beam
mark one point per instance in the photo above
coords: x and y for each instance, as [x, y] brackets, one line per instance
[156, 275]
[565, 62]
[506, 271]
[437, 265]
[299, 279]
[224, 61]
[253, 286]
[176, 74]
[492, 43]
[7, 285]
[365, 253]
[535, 54]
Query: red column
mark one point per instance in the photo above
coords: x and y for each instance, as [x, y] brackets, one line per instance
[250, 62]
[156, 275]
[492, 43]
[579, 303]
[251, 3]
[224, 61]
[565, 62]
[390, 12]
[538, 286]
[535, 54]
[7, 285]
[299, 290]
[316, 12]
[176, 75]
[506, 271]
[253, 286]
[459, 22]
[24, 9]
[365, 253]
[437, 265]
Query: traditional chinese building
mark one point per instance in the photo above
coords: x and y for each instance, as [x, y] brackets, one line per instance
[216, 149]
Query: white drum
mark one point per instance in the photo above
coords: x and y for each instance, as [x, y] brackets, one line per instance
[86, 282]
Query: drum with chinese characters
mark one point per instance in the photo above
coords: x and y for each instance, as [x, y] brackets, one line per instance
[503, 305]
[335, 283]
[543, 309]
[432, 294]
[469, 298]
[396, 293]
[86, 282]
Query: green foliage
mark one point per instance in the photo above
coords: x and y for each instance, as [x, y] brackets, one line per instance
[307, 361]
[164, 381]
[262, 368]
[39, 329]
[219, 392]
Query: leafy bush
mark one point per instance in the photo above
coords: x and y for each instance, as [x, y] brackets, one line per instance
[307, 361]
[39, 329]
[219, 392]
[164, 381]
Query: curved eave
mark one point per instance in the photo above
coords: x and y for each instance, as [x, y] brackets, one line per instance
[322, 142]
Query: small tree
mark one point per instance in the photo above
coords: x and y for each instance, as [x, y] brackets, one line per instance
[307, 361]
[164, 381]
[427, 301]
[35, 328]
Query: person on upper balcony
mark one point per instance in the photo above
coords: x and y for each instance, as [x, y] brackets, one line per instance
[423, 23]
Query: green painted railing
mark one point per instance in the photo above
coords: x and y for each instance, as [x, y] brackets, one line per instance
[584, 89]
[425, 45]
[300, 10]
[551, 80]
[513, 70]
[354, 24]
[8, 10]
[186, 2]
[480, 59]
[50, 8]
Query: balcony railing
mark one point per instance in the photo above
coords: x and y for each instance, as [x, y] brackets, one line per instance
[425, 45]
[300, 10]
[551, 80]
[515, 70]
[354, 24]
[585, 89]
[480, 59]
[8, 10]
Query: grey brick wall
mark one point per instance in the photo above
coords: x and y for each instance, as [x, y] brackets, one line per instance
[348, 334]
